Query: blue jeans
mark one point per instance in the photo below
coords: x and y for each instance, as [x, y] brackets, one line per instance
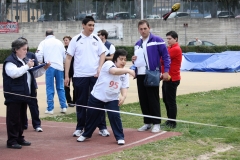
[52, 73]
[82, 87]
[94, 116]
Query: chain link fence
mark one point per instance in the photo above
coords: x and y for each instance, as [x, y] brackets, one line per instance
[76, 10]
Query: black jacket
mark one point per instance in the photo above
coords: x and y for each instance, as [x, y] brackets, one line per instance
[17, 85]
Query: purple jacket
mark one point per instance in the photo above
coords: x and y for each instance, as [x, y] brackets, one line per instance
[156, 49]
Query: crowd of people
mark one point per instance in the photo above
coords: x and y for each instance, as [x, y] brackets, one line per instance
[99, 80]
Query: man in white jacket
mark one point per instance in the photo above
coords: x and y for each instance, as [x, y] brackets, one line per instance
[52, 50]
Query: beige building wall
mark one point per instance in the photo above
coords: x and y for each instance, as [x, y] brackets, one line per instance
[23, 15]
[218, 31]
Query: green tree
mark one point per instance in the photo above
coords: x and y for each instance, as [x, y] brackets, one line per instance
[102, 7]
[4, 9]
[53, 7]
[213, 5]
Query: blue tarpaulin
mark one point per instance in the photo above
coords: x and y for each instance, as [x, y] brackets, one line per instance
[228, 61]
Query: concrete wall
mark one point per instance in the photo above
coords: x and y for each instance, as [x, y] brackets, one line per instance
[218, 31]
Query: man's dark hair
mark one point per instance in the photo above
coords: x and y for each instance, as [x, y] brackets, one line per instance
[68, 37]
[143, 22]
[49, 32]
[103, 33]
[87, 19]
[119, 52]
[173, 34]
[17, 44]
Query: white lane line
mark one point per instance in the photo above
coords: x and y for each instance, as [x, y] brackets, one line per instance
[124, 146]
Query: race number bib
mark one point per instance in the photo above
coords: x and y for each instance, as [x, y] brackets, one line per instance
[114, 85]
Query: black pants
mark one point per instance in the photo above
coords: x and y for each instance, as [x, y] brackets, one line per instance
[68, 95]
[16, 113]
[33, 107]
[83, 86]
[149, 101]
[169, 92]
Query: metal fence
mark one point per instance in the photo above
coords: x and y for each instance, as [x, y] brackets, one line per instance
[116, 9]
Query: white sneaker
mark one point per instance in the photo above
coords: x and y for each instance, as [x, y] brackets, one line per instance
[145, 127]
[63, 110]
[77, 133]
[81, 139]
[38, 129]
[121, 142]
[49, 112]
[104, 132]
[156, 128]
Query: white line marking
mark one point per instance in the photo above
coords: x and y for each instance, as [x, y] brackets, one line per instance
[163, 132]
[84, 156]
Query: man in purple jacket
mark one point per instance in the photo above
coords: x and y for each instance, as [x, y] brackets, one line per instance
[153, 48]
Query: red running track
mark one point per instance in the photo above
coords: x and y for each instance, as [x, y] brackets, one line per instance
[56, 142]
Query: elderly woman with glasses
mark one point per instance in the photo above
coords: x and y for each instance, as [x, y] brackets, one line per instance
[19, 85]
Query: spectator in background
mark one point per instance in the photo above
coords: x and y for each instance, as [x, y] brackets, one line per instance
[70, 101]
[153, 48]
[169, 88]
[110, 48]
[198, 42]
[89, 55]
[33, 104]
[52, 50]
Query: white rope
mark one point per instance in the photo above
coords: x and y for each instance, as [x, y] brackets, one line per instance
[140, 115]
[20, 95]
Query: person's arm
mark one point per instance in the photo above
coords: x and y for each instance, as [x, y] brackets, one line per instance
[124, 88]
[135, 57]
[14, 72]
[120, 71]
[64, 53]
[109, 57]
[123, 96]
[101, 61]
[101, 54]
[67, 66]
[39, 53]
[166, 61]
[41, 71]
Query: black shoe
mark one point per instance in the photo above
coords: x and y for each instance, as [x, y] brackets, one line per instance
[14, 146]
[25, 143]
[71, 105]
[165, 123]
[171, 125]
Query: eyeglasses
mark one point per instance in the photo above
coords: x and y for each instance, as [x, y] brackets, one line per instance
[99, 34]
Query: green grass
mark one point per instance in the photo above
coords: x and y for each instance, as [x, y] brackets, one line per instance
[220, 108]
